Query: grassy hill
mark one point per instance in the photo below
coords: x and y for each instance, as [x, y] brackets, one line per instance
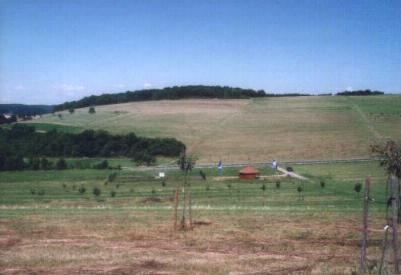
[259, 129]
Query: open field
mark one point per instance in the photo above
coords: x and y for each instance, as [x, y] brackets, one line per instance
[293, 128]
[243, 229]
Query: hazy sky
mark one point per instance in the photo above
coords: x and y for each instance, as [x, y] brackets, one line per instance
[53, 51]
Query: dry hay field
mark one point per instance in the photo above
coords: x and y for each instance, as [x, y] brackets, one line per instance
[290, 128]
[101, 241]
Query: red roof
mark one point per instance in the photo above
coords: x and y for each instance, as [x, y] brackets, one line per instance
[249, 170]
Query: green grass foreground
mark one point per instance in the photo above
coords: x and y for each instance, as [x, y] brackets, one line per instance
[141, 189]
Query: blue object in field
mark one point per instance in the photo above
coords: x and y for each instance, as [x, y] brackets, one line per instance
[220, 167]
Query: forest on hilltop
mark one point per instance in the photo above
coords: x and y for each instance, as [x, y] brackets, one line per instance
[171, 93]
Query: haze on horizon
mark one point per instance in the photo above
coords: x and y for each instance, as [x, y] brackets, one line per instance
[54, 51]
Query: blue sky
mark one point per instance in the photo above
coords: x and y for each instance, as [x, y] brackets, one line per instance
[58, 50]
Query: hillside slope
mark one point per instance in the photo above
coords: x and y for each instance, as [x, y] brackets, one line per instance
[258, 129]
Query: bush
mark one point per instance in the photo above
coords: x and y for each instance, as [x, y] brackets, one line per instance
[278, 184]
[112, 177]
[358, 187]
[97, 192]
[263, 187]
[322, 184]
[45, 164]
[61, 164]
[41, 192]
[34, 163]
[102, 165]
[202, 174]
[82, 189]
[113, 193]
[92, 110]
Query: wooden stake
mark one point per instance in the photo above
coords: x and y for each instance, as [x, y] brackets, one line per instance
[190, 205]
[177, 199]
[386, 230]
[394, 206]
[365, 225]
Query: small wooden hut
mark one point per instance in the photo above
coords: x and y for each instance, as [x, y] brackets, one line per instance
[249, 173]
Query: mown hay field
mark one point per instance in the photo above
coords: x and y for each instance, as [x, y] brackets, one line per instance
[291, 128]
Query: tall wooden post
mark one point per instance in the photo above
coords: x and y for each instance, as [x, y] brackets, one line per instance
[394, 207]
[365, 225]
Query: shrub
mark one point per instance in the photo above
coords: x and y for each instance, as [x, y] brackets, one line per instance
[97, 192]
[33, 191]
[263, 187]
[163, 182]
[34, 163]
[112, 177]
[322, 184]
[278, 184]
[71, 110]
[45, 164]
[202, 174]
[153, 191]
[64, 186]
[207, 188]
[102, 165]
[358, 187]
[61, 164]
[41, 192]
[113, 193]
[92, 110]
[300, 189]
[82, 189]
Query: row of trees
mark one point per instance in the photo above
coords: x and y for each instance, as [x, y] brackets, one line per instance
[176, 92]
[183, 92]
[361, 92]
[22, 141]
[25, 110]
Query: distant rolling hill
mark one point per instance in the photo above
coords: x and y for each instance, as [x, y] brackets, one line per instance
[256, 129]
[22, 109]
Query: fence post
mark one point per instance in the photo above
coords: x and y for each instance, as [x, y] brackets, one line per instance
[176, 203]
[394, 206]
[365, 225]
